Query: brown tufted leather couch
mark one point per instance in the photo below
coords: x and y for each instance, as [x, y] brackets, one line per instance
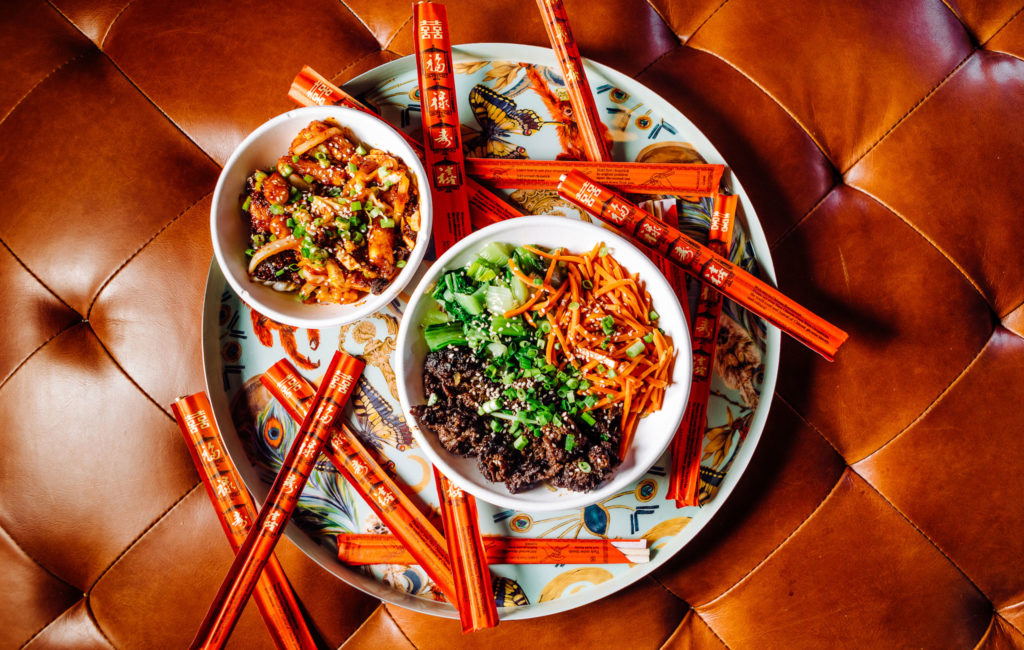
[881, 143]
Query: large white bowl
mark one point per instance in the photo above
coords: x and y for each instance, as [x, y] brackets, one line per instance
[229, 228]
[654, 432]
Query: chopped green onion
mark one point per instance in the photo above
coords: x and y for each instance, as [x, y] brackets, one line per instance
[308, 178]
[584, 466]
[320, 155]
[355, 206]
[611, 373]
[572, 383]
[538, 281]
[648, 338]
[286, 170]
[400, 264]
[279, 273]
[290, 222]
[634, 350]
[587, 284]
[277, 208]
[495, 425]
[360, 150]
[603, 251]
[248, 202]
[432, 399]
[574, 305]
[249, 252]
[570, 442]
[353, 168]
[387, 223]
[587, 417]
[654, 315]
[295, 158]
[520, 442]
[608, 324]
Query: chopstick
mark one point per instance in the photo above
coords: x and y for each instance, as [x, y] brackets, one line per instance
[360, 549]
[477, 609]
[731, 280]
[584, 110]
[442, 133]
[334, 391]
[684, 478]
[420, 539]
[236, 512]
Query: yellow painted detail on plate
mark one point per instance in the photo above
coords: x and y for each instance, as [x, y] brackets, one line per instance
[554, 589]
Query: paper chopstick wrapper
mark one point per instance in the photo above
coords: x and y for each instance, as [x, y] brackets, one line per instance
[584, 110]
[687, 446]
[442, 135]
[339, 381]
[387, 549]
[637, 178]
[311, 89]
[731, 280]
[477, 609]
[412, 530]
[236, 512]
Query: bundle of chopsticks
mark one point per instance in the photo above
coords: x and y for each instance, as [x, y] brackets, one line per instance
[457, 560]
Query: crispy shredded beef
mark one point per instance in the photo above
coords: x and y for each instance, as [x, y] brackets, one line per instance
[456, 377]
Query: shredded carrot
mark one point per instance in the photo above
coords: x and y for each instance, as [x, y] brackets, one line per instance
[598, 287]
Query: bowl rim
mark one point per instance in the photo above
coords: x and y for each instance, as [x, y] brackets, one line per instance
[407, 329]
[371, 303]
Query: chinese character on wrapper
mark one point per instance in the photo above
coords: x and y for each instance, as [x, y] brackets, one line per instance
[273, 522]
[701, 365]
[442, 138]
[440, 102]
[431, 30]
[225, 487]
[290, 483]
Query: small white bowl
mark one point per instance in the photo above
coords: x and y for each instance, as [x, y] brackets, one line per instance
[654, 433]
[229, 228]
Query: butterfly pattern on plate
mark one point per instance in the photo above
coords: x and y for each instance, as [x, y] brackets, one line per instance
[499, 116]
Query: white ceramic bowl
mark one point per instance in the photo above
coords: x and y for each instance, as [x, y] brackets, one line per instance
[229, 228]
[654, 432]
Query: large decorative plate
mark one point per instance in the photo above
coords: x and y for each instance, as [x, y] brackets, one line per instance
[496, 91]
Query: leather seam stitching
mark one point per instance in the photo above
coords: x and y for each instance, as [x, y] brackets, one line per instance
[1010, 623]
[139, 90]
[776, 549]
[131, 379]
[931, 405]
[31, 354]
[783, 107]
[362, 22]
[910, 110]
[927, 538]
[115, 272]
[398, 31]
[40, 82]
[397, 625]
[138, 538]
[928, 239]
[674, 594]
[95, 621]
[811, 426]
[350, 65]
[705, 21]
[380, 605]
[47, 624]
[708, 625]
[996, 33]
[660, 57]
[106, 33]
[789, 231]
[39, 564]
[988, 630]
[36, 277]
